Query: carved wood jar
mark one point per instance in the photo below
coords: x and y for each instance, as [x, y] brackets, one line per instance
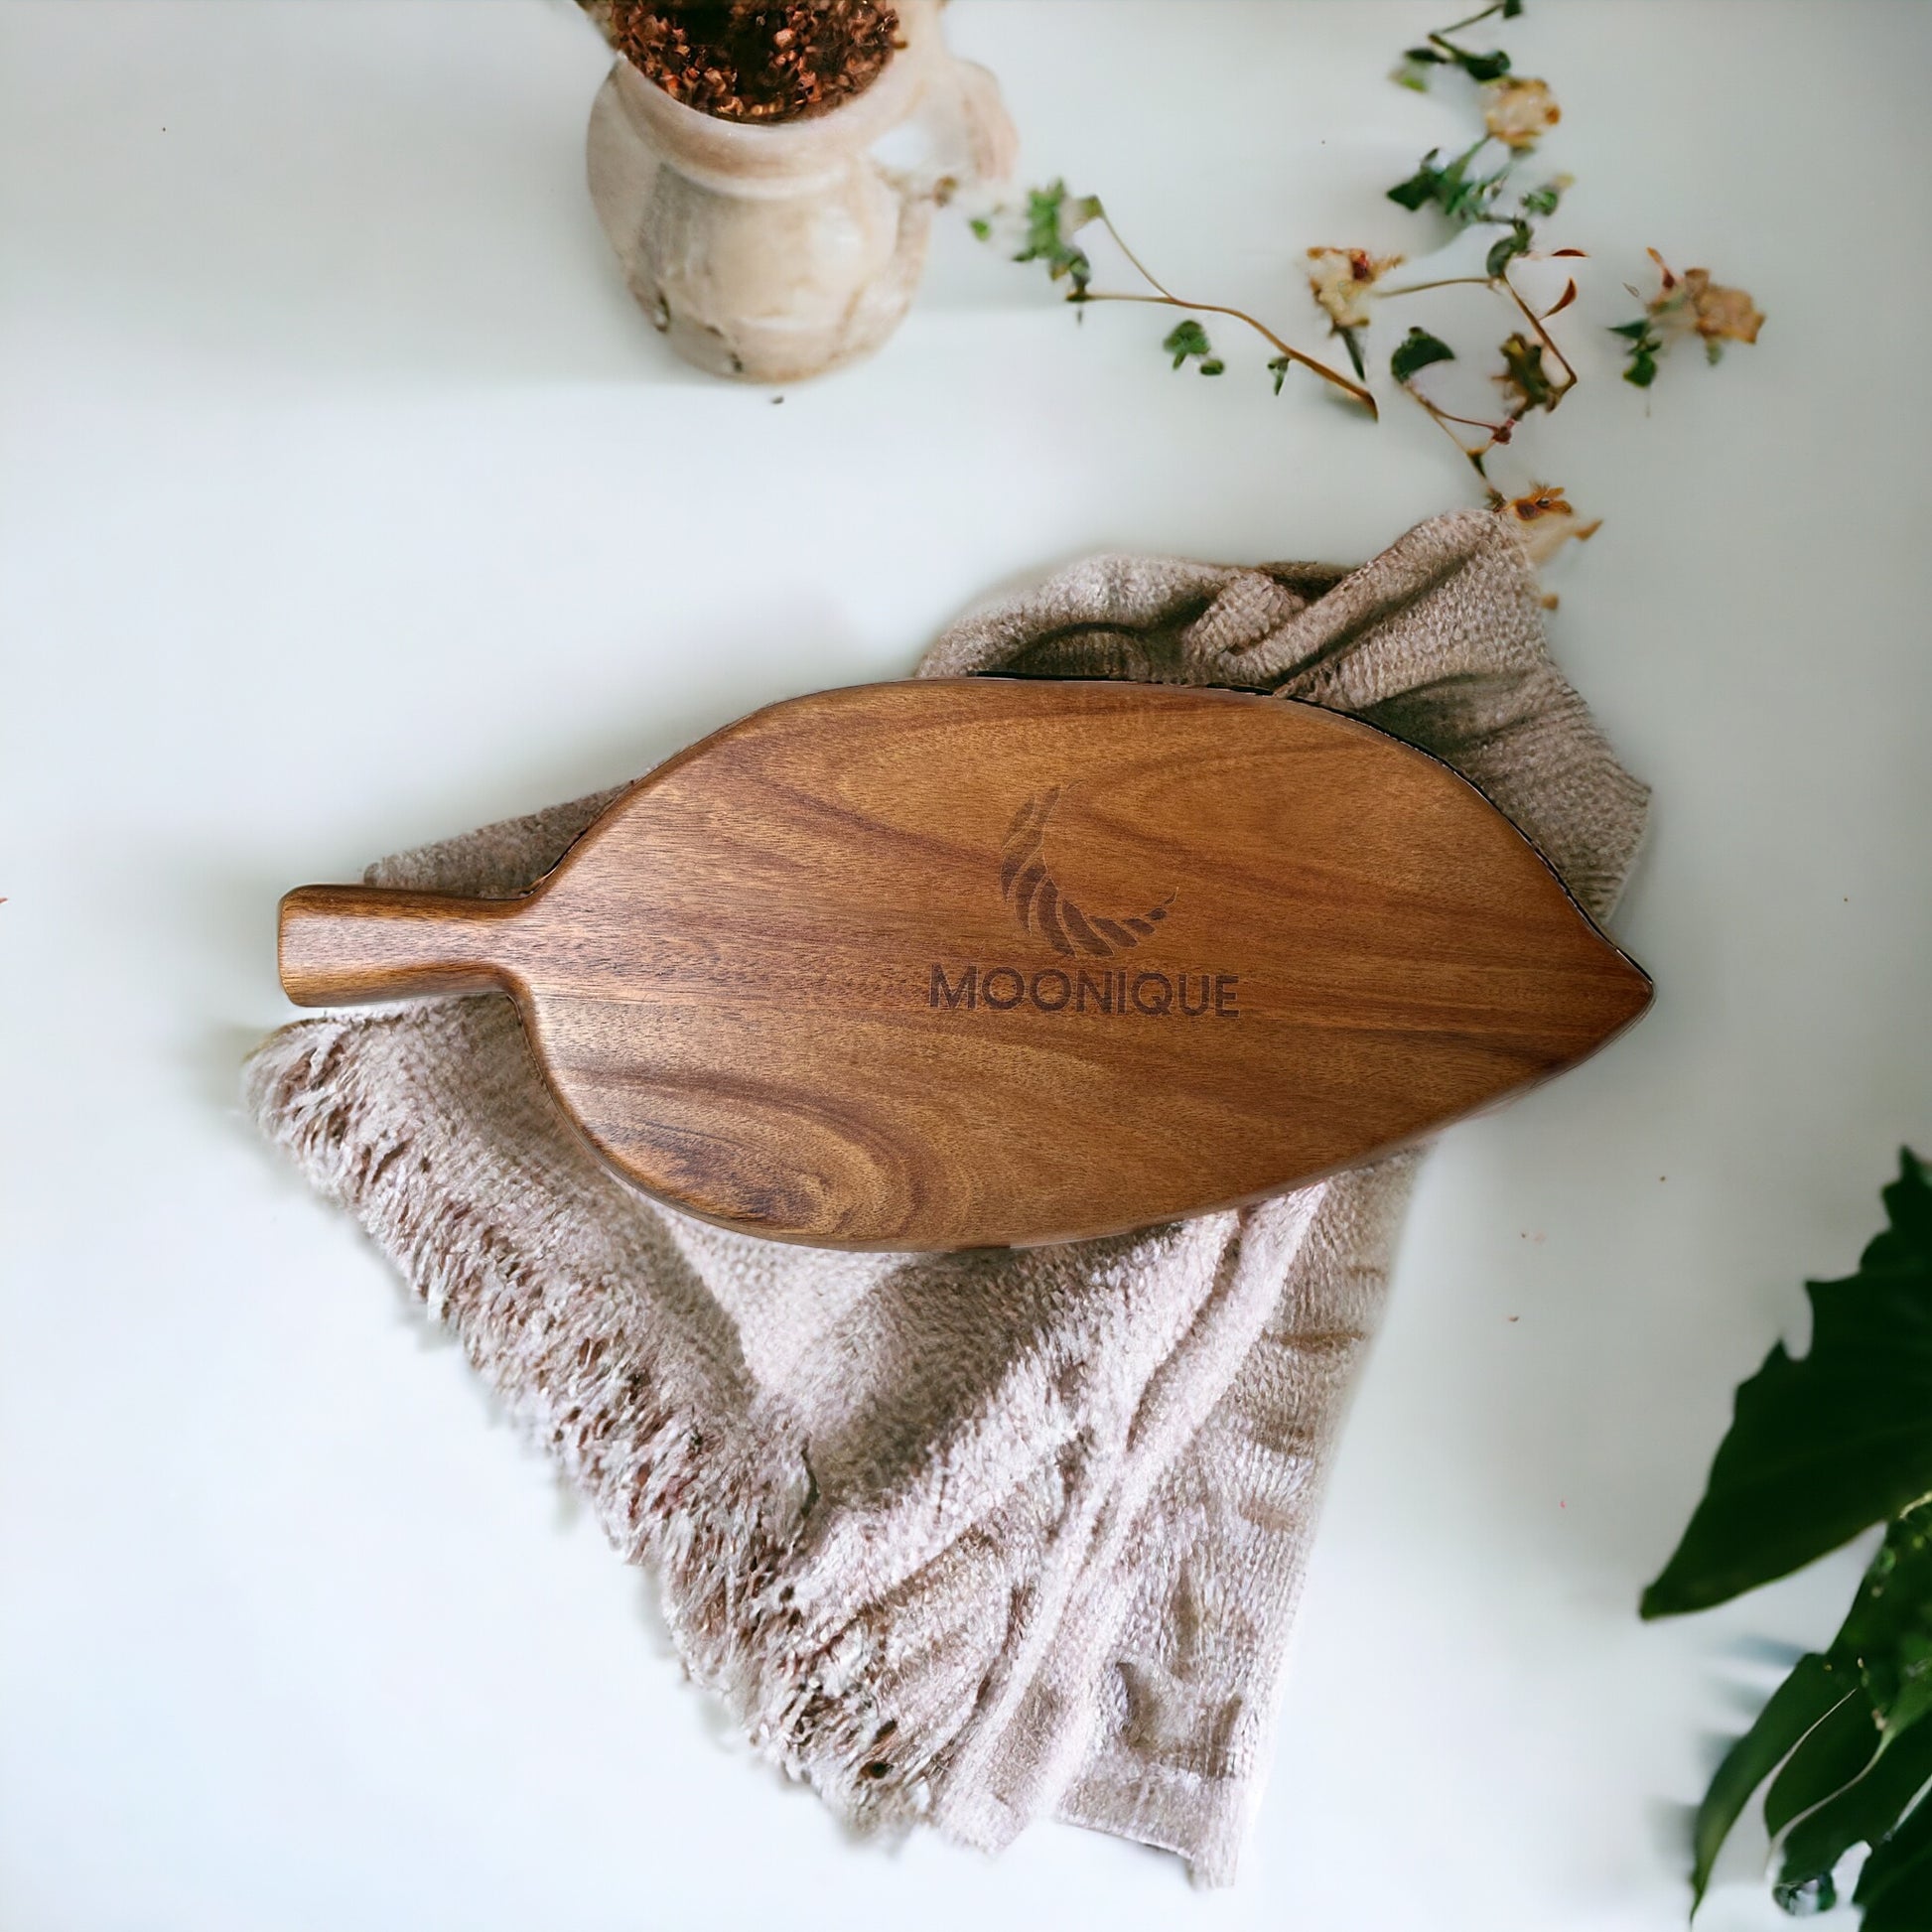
[774, 252]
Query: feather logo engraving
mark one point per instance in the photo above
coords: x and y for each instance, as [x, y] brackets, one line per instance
[1041, 906]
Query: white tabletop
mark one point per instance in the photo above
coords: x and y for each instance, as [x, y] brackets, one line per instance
[346, 501]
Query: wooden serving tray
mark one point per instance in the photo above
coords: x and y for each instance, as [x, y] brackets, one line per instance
[979, 961]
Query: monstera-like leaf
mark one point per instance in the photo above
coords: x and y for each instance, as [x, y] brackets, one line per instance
[1827, 1444]
[1823, 1446]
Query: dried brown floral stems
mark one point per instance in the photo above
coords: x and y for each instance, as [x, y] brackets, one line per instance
[1475, 190]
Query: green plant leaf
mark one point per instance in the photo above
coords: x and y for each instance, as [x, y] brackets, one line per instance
[1187, 339]
[1846, 1727]
[1478, 66]
[1420, 188]
[1416, 68]
[1804, 1697]
[1831, 1753]
[1542, 201]
[1053, 217]
[1861, 1814]
[1645, 347]
[1463, 197]
[1417, 351]
[1821, 1445]
[1523, 372]
[1504, 252]
[1895, 1886]
[1483, 67]
[1888, 1631]
[1279, 369]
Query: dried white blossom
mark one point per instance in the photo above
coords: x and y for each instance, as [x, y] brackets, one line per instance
[1518, 113]
[1344, 279]
[1545, 521]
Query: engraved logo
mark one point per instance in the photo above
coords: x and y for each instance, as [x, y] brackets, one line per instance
[1027, 884]
[1086, 993]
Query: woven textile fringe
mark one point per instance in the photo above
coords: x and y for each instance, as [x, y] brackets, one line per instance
[974, 1538]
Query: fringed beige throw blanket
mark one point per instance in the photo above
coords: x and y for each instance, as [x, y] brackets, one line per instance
[980, 1538]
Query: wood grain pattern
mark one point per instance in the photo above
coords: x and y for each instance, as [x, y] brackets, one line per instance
[979, 961]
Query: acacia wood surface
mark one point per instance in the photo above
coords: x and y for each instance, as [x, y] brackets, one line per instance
[979, 961]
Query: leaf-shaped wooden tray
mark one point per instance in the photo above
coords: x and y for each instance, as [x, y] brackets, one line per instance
[977, 961]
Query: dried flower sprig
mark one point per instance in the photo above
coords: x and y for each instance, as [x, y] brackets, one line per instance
[1344, 279]
[1053, 217]
[1517, 112]
[1439, 50]
[1546, 520]
[1476, 187]
[1686, 305]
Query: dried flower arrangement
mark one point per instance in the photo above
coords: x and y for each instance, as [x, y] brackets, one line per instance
[750, 61]
[1474, 188]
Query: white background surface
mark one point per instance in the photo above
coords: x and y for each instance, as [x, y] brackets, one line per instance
[345, 501]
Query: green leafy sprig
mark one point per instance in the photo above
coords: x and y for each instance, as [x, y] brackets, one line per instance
[1823, 1446]
[1416, 351]
[1463, 198]
[1646, 348]
[1438, 51]
[1054, 215]
[1188, 338]
[1476, 187]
